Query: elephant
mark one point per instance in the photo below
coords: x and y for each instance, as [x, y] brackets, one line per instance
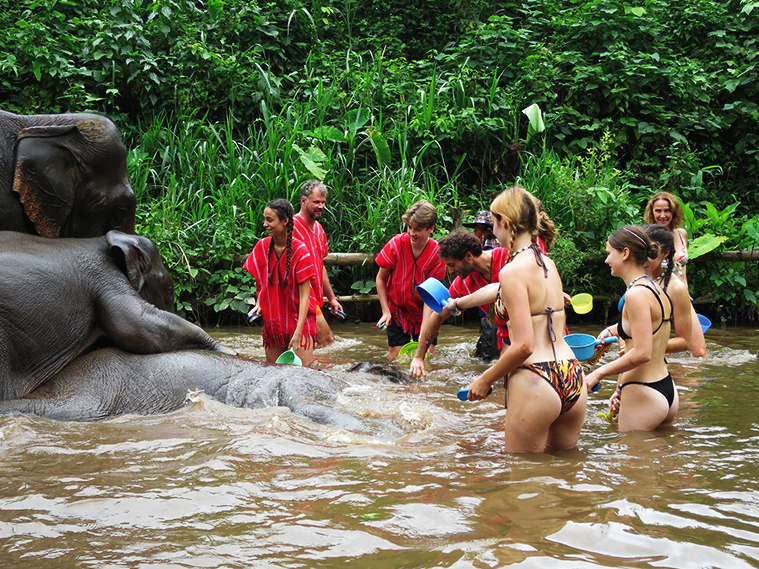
[63, 176]
[59, 297]
[109, 382]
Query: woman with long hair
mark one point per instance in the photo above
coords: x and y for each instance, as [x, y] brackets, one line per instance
[545, 392]
[666, 210]
[647, 394]
[283, 271]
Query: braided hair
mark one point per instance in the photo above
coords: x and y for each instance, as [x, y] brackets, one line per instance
[666, 240]
[284, 210]
[518, 209]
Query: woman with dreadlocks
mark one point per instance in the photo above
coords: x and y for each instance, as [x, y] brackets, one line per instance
[283, 270]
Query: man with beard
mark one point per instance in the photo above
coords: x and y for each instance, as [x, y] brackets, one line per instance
[313, 200]
[474, 268]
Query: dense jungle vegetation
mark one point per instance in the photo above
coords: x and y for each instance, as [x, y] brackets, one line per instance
[227, 104]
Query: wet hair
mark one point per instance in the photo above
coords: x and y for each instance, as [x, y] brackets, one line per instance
[458, 243]
[546, 227]
[636, 241]
[518, 210]
[309, 186]
[666, 240]
[674, 205]
[284, 210]
[422, 213]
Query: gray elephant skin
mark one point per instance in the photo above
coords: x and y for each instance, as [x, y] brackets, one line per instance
[58, 297]
[63, 176]
[110, 382]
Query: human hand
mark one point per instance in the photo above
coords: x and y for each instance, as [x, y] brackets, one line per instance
[615, 400]
[254, 312]
[478, 389]
[384, 320]
[452, 306]
[591, 380]
[336, 308]
[417, 369]
[295, 340]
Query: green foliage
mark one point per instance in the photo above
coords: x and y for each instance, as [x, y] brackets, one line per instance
[228, 104]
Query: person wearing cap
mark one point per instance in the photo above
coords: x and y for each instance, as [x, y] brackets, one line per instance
[483, 229]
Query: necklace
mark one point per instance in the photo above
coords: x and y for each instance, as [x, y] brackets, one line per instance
[515, 253]
[621, 302]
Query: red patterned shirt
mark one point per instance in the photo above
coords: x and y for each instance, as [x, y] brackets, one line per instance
[316, 244]
[475, 281]
[405, 274]
[278, 303]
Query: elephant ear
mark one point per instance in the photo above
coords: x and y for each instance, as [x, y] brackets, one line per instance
[46, 176]
[130, 254]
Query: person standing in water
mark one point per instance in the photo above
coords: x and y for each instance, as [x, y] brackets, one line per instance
[406, 261]
[313, 201]
[545, 391]
[283, 271]
[647, 395]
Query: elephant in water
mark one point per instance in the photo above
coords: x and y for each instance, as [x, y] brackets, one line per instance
[110, 382]
[58, 297]
[63, 176]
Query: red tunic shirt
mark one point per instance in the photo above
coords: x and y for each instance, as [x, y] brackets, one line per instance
[279, 304]
[316, 243]
[475, 281]
[405, 274]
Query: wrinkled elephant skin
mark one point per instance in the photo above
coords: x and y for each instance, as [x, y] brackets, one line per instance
[110, 382]
[59, 296]
[63, 176]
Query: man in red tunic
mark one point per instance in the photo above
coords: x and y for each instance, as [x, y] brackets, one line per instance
[406, 261]
[462, 253]
[313, 200]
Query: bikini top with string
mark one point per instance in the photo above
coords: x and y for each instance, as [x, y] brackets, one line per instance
[655, 291]
[549, 311]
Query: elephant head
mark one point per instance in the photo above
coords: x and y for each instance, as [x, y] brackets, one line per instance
[139, 260]
[72, 178]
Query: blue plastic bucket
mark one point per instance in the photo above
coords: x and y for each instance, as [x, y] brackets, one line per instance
[705, 323]
[434, 294]
[584, 345]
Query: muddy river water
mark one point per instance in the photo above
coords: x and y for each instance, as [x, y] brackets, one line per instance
[428, 486]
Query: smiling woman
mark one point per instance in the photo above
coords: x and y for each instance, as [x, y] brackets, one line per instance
[283, 272]
[665, 209]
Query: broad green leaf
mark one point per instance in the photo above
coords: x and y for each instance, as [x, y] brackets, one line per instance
[356, 119]
[328, 133]
[312, 159]
[704, 244]
[381, 148]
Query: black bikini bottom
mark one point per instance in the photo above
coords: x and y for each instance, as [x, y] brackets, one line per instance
[664, 386]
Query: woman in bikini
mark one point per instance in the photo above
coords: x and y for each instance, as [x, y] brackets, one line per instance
[647, 395]
[283, 270]
[666, 210]
[545, 392]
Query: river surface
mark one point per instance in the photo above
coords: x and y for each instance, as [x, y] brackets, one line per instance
[430, 486]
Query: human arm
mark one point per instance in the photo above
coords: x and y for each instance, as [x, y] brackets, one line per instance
[637, 313]
[484, 295]
[334, 305]
[430, 327]
[381, 281]
[682, 310]
[517, 301]
[684, 240]
[304, 293]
